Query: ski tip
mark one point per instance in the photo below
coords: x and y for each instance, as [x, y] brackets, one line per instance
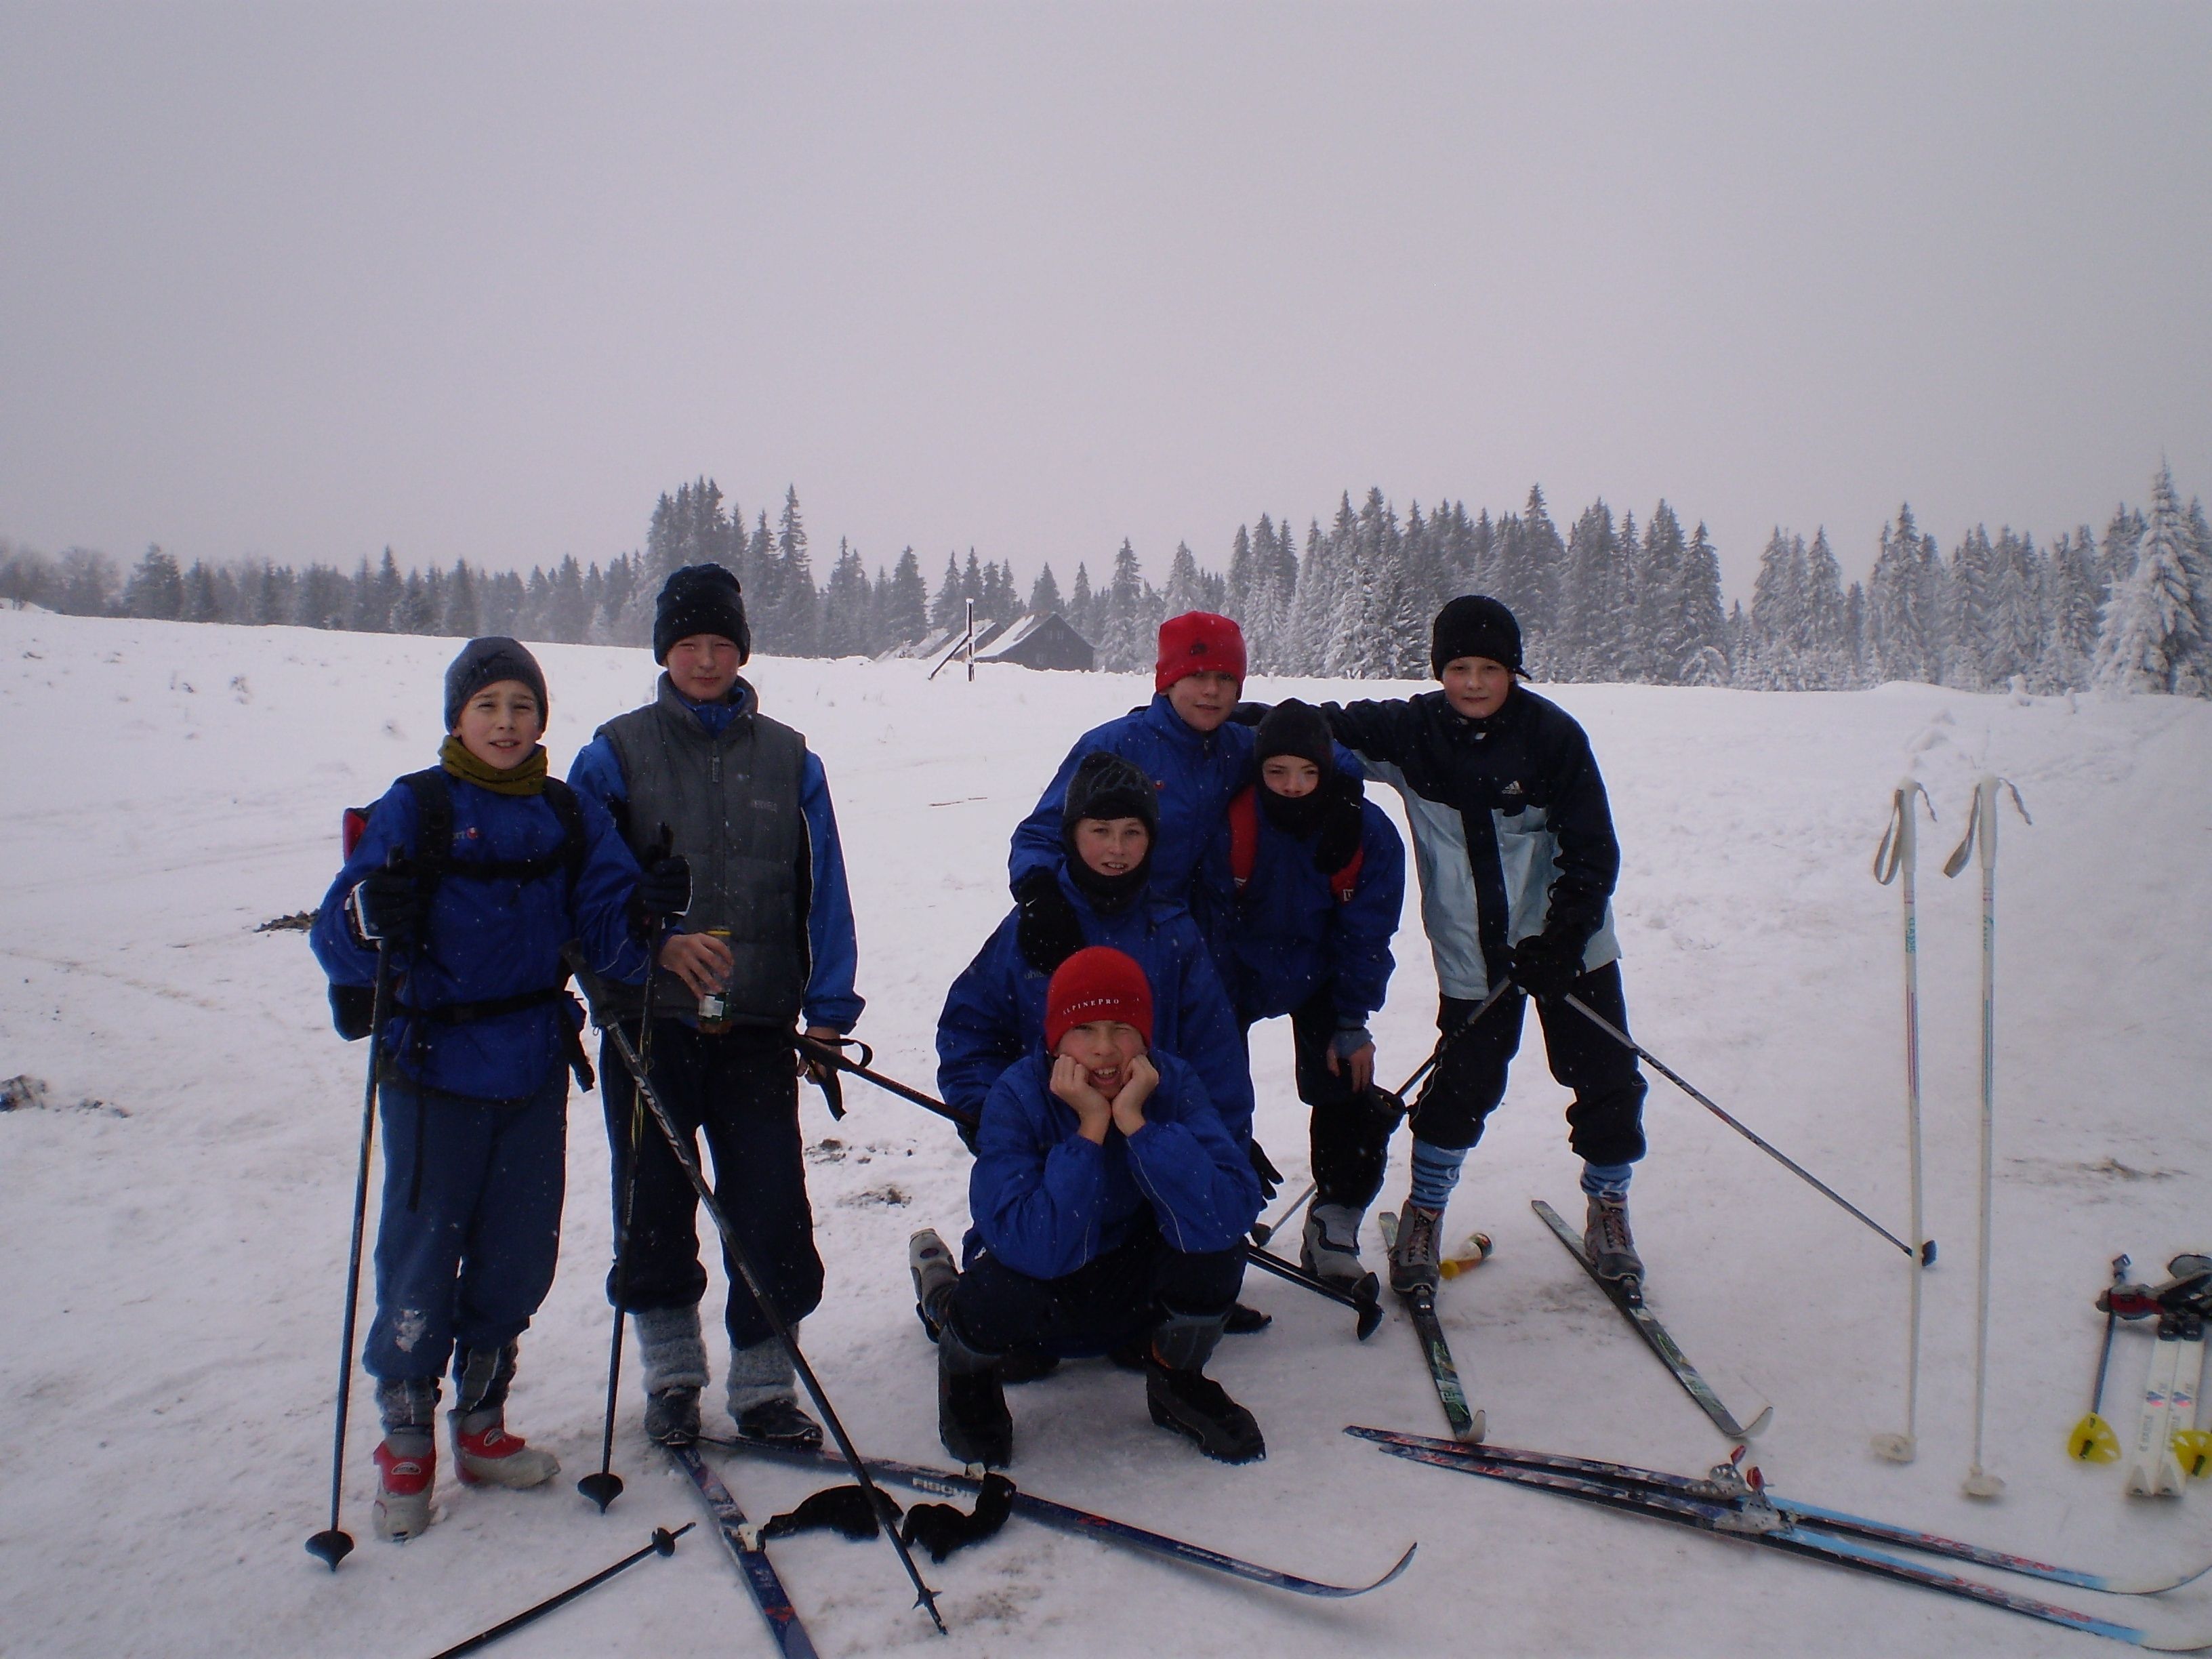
[1758, 1425]
[1398, 1567]
[1472, 1434]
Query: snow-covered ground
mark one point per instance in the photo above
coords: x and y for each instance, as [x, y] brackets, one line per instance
[175, 1254]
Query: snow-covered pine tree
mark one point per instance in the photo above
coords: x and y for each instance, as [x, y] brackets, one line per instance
[1128, 644]
[1240, 578]
[1184, 590]
[846, 626]
[1705, 624]
[2154, 637]
[1590, 597]
[1969, 590]
[2068, 604]
[1778, 625]
[1829, 659]
[1044, 594]
[950, 608]
[1903, 636]
[1660, 608]
[1083, 605]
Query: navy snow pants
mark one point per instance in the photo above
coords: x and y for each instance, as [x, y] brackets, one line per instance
[740, 1088]
[1605, 1119]
[1111, 1299]
[470, 1258]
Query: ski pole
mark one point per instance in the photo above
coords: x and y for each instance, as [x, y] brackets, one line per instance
[2092, 1440]
[1897, 859]
[604, 1486]
[664, 1543]
[333, 1544]
[1982, 833]
[1369, 1308]
[1453, 1036]
[741, 1258]
[1264, 1231]
[1926, 1253]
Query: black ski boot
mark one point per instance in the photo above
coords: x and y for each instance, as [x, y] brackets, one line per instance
[972, 1419]
[1181, 1397]
[779, 1422]
[1612, 1250]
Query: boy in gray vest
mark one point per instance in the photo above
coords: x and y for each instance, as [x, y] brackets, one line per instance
[768, 940]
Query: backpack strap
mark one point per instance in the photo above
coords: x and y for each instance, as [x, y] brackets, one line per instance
[1243, 835]
[1244, 849]
[434, 851]
[1345, 882]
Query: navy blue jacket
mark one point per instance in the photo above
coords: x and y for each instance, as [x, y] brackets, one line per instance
[1045, 1201]
[1292, 935]
[994, 1013]
[488, 939]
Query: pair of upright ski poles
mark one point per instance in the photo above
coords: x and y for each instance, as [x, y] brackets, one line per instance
[1895, 861]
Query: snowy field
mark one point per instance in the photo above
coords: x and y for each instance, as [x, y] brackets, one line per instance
[176, 1252]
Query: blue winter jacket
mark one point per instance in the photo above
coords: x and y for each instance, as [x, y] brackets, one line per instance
[994, 1013]
[833, 948]
[1292, 935]
[1045, 1200]
[488, 939]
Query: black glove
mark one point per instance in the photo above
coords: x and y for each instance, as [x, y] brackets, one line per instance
[1547, 964]
[1271, 1178]
[664, 890]
[1048, 930]
[387, 906]
[353, 1007]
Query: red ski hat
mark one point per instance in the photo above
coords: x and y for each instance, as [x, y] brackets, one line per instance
[1097, 982]
[1199, 642]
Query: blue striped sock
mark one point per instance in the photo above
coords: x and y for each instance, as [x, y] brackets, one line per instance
[1435, 1172]
[1607, 1180]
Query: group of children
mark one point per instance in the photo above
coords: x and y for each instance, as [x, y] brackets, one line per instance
[1195, 866]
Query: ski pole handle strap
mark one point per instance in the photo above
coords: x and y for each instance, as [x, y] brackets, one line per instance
[1898, 841]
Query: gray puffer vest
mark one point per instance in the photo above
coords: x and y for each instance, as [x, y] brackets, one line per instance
[733, 802]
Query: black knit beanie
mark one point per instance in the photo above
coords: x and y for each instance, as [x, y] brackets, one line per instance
[700, 598]
[1474, 625]
[486, 662]
[1107, 786]
[1293, 727]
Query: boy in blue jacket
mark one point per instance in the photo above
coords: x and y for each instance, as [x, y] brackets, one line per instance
[498, 867]
[1105, 878]
[1321, 878]
[1111, 1206]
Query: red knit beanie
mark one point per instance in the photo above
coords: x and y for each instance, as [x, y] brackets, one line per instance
[1199, 642]
[1097, 982]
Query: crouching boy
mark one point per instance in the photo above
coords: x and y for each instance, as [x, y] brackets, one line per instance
[1110, 1208]
[497, 867]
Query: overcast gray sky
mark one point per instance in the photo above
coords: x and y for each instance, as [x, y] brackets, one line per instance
[302, 280]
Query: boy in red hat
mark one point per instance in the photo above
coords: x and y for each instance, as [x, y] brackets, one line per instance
[1109, 1208]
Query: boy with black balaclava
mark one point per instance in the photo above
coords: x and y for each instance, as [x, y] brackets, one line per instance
[1320, 877]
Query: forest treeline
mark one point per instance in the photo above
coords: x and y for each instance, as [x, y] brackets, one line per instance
[1607, 600]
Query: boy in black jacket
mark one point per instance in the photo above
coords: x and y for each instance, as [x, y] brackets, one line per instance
[1517, 865]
